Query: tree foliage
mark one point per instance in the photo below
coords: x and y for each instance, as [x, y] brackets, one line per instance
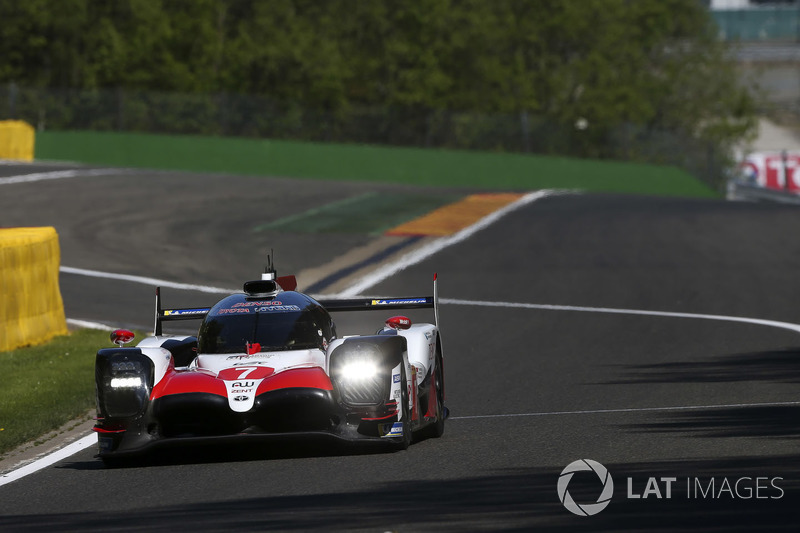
[649, 64]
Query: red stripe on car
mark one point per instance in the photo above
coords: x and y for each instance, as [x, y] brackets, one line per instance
[187, 382]
[313, 378]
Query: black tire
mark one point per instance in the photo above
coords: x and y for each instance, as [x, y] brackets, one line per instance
[436, 429]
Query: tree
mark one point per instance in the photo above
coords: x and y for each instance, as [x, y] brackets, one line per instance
[643, 65]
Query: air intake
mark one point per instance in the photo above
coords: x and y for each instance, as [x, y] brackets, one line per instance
[261, 288]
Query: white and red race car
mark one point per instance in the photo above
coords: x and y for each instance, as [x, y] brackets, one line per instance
[268, 364]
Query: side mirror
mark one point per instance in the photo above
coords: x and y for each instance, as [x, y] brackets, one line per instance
[120, 337]
[398, 322]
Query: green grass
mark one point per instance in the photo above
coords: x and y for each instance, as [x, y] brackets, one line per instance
[428, 167]
[48, 385]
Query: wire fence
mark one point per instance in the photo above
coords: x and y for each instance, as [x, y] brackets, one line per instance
[766, 23]
[262, 117]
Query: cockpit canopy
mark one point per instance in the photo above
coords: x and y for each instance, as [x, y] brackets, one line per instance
[287, 321]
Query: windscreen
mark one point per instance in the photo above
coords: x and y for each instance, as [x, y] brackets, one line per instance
[274, 330]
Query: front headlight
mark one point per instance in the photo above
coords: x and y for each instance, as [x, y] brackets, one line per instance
[125, 383]
[358, 374]
[359, 370]
[124, 378]
[126, 366]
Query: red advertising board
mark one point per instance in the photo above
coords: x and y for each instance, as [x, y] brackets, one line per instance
[774, 170]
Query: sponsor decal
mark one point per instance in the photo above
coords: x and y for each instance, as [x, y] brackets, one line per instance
[242, 383]
[396, 378]
[400, 302]
[256, 307]
[232, 311]
[257, 304]
[396, 430]
[180, 312]
[392, 429]
[278, 308]
[259, 355]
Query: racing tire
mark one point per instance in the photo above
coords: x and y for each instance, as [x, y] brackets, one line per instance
[436, 429]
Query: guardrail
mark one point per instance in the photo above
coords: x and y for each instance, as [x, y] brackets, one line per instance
[745, 191]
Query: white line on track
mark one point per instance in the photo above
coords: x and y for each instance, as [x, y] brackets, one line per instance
[428, 250]
[629, 410]
[61, 174]
[85, 324]
[383, 273]
[757, 321]
[47, 460]
[146, 281]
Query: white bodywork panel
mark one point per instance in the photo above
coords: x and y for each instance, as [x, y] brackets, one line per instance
[420, 340]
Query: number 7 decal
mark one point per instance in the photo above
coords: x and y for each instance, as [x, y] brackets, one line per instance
[245, 372]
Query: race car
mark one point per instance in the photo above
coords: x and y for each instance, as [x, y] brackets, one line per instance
[267, 363]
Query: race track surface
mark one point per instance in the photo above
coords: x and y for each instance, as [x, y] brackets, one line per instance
[704, 406]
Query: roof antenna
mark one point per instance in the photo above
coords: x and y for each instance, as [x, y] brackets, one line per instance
[269, 271]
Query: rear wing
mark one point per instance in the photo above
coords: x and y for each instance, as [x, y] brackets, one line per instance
[168, 315]
[374, 304]
[382, 304]
[332, 305]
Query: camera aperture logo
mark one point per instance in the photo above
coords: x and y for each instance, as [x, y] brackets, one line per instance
[664, 488]
[585, 509]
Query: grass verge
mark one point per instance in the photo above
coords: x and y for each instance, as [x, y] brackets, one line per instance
[416, 166]
[47, 385]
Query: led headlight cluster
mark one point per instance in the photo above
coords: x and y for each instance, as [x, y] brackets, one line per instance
[126, 366]
[357, 372]
[124, 377]
[123, 383]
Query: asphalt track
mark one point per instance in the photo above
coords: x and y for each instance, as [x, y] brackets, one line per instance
[700, 400]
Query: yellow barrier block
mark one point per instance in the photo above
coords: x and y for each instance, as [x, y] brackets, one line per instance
[31, 308]
[455, 217]
[16, 140]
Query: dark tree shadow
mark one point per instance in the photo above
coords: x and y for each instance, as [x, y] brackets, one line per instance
[780, 366]
[507, 500]
[746, 421]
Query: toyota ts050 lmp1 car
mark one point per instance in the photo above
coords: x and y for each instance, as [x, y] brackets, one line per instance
[268, 364]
